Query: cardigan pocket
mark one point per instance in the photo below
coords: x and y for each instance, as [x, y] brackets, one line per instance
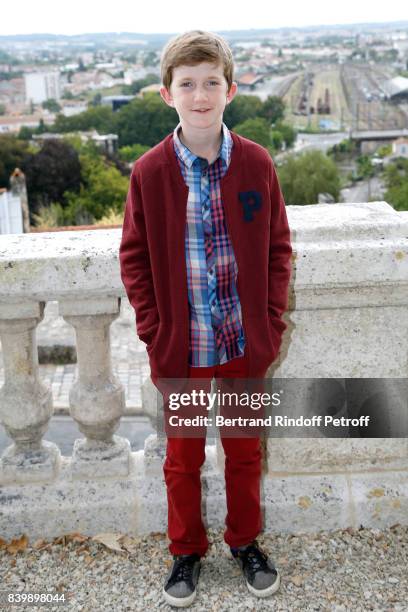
[261, 349]
[168, 353]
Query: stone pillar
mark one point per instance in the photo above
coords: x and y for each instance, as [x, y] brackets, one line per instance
[25, 401]
[19, 187]
[97, 398]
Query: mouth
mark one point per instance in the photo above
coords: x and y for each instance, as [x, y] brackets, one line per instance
[202, 111]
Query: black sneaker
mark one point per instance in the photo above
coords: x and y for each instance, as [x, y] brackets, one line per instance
[262, 578]
[180, 588]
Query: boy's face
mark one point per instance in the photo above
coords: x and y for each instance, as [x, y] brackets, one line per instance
[199, 94]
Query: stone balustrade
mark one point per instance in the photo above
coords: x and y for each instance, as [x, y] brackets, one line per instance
[348, 319]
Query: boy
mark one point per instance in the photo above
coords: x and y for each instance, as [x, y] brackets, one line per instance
[205, 260]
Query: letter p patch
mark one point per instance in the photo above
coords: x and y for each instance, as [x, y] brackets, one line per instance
[251, 201]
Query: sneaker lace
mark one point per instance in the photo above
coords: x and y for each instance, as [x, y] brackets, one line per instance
[183, 569]
[254, 559]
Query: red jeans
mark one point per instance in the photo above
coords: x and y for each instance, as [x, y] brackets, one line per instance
[184, 458]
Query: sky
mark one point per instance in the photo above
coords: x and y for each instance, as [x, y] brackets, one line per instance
[167, 16]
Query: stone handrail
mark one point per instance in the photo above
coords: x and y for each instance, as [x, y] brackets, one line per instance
[348, 317]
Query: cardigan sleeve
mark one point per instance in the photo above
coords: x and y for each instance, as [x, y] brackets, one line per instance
[135, 267]
[280, 251]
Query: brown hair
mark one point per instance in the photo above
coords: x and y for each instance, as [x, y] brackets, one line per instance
[192, 48]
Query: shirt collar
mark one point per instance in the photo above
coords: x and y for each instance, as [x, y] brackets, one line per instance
[188, 157]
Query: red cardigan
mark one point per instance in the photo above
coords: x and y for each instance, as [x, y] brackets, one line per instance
[152, 254]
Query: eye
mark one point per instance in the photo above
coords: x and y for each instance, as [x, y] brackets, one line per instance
[213, 82]
[185, 83]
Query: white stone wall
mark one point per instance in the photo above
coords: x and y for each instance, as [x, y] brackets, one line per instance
[348, 318]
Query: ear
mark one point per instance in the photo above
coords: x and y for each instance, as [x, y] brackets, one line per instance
[232, 92]
[166, 96]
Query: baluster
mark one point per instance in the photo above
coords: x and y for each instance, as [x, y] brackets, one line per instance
[25, 401]
[97, 397]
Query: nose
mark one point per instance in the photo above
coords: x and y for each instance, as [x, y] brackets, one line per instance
[200, 93]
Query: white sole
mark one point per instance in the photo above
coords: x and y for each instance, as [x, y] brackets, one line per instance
[265, 592]
[179, 602]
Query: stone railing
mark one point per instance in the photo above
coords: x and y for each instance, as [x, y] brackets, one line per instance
[348, 318]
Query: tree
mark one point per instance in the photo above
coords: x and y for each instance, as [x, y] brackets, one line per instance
[25, 133]
[133, 152]
[2, 109]
[12, 153]
[145, 120]
[365, 169]
[51, 105]
[288, 133]
[100, 118]
[41, 128]
[272, 109]
[50, 172]
[342, 150]
[384, 150]
[240, 109]
[303, 178]
[103, 190]
[396, 181]
[276, 140]
[256, 129]
[97, 99]
[49, 216]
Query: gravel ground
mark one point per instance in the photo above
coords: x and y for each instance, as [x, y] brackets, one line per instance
[346, 570]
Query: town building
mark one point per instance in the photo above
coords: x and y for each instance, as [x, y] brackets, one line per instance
[41, 86]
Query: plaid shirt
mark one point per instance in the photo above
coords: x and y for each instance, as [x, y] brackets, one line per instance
[216, 332]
